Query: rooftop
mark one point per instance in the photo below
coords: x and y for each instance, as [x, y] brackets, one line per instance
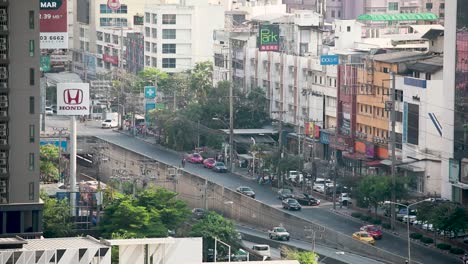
[62, 243]
[430, 65]
[398, 17]
[399, 56]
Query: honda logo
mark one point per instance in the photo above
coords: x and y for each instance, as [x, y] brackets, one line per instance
[73, 96]
[113, 4]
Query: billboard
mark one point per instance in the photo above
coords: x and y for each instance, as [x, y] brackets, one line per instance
[73, 99]
[269, 38]
[45, 63]
[53, 24]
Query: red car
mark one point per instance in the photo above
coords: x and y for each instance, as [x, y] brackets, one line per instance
[195, 158]
[374, 231]
[209, 163]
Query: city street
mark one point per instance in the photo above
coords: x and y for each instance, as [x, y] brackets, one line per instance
[321, 215]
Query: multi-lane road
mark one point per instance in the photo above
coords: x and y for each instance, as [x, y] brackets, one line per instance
[321, 215]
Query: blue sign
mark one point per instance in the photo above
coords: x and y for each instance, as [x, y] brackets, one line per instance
[150, 92]
[329, 60]
[324, 138]
[56, 142]
[416, 82]
[150, 106]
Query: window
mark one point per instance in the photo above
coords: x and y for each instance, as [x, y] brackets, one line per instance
[154, 48]
[339, 14]
[99, 49]
[393, 6]
[32, 133]
[147, 60]
[169, 48]
[417, 74]
[169, 34]
[31, 104]
[107, 37]
[31, 191]
[154, 62]
[31, 19]
[154, 33]
[109, 21]
[147, 17]
[333, 13]
[104, 9]
[155, 18]
[348, 28]
[168, 19]
[115, 39]
[428, 6]
[413, 124]
[32, 80]
[147, 32]
[147, 46]
[168, 62]
[31, 162]
[31, 48]
[385, 70]
[99, 36]
[428, 76]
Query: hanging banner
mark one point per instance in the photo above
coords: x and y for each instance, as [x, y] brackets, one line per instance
[53, 24]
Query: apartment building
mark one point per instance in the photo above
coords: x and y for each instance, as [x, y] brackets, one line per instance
[179, 35]
[20, 206]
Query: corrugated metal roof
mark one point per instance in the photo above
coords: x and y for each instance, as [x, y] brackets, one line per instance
[430, 65]
[399, 56]
[62, 77]
[398, 17]
[62, 243]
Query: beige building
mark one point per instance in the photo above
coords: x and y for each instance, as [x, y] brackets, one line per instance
[20, 206]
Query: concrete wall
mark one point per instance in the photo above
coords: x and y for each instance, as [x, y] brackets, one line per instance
[198, 192]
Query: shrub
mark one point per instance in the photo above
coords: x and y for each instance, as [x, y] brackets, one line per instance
[365, 218]
[416, 236]
[386, 225]
[427, 240]
[444, 246]
[457, 251]
[376, 221]
[356, 215]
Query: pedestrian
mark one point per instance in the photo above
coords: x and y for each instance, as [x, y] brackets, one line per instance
[183, 162]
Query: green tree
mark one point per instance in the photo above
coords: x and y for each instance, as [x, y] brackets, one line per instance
[304, 257]
[49, 157]
[201, 80]
[57, 218]
[444, 216]
[215, 226]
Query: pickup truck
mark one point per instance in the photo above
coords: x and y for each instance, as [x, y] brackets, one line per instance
[278, 233]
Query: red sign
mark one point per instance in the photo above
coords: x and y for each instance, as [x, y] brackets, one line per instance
[53, 24]
[311, 128]
[73, 96]
[340, 143]
[113, 4]
[111, 59]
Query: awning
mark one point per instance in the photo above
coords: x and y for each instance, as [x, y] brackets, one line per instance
[259, 139]
[460, 185]
[245, 156]
[374, 163]
[411, 168]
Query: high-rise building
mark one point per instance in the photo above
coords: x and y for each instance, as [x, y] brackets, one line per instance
[20, 206]
[455, 186]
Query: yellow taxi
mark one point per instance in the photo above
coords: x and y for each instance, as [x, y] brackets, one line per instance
[364, 237]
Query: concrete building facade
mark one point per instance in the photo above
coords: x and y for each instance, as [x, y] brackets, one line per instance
[20, 205]
[179, 35]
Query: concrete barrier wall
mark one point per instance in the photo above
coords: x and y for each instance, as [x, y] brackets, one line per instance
[198, 192]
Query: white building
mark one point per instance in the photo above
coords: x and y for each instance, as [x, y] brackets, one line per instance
[179, 35]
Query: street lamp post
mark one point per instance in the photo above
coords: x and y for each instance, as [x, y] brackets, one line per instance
[408, 221]
[253, 157]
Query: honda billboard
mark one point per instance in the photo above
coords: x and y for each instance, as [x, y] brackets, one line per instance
[73, 99]
[53, 24]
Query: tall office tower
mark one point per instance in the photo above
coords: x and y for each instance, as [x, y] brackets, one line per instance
[20, 206]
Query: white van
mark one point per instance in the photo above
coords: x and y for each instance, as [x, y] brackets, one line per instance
[262, 250]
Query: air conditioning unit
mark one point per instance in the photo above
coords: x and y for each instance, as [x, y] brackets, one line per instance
[3, 155]
[3, 98]
[2, 183]
[3, 104]
[3, 170]
[3, 40]
[3, 11]
[3, 162]
[3, 127]
[3, 76]
[3, 47]
[3, 56]
[3, 142]
[3, 69]
[3, 113]
[3, 18]
[3, 85]
[3, 200]
[4, 27]
[3, 189]
[3, 133]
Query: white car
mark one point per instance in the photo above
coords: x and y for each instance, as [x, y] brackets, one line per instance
[49, 111]
[320, 184]
[412, 219]
[108, 123]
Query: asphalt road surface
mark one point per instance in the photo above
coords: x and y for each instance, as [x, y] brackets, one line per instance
[321, 215]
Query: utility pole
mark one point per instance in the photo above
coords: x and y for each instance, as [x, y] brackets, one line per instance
[280, 143]
[60, 133]
[231, 108]
[393, 143]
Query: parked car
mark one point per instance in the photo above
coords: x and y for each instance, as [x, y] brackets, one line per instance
[374, 231]
[262, 250]
[285, 193]
[412, 219]
[195, 158]
[344, 199]
[402, 212]
[320, 184]
[209, 163]
[240, 255]
[49, 111]
[198, 213]
[364, 237]
[306, 199]
[246, 191]
[291, 204]
[219, 167]
[108, 123]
